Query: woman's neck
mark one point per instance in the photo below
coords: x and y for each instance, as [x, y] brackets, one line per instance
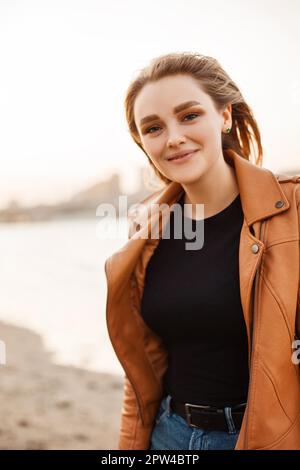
[215, 189]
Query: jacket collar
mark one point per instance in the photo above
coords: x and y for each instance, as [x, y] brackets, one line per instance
[259, 189]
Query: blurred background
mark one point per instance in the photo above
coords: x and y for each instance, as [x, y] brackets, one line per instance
[65, 148]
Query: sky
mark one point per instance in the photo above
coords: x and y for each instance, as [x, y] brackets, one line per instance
[65, 66]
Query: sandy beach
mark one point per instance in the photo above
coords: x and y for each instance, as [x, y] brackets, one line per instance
[49, 406]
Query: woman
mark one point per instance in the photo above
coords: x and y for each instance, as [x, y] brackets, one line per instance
[206, 334]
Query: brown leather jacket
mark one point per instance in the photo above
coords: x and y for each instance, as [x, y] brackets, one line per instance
[269, 287]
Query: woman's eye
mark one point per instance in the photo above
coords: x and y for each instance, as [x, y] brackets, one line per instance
[148, 130]
[191, 114]
[156, 127]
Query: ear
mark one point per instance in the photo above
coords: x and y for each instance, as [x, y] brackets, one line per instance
[226, 114]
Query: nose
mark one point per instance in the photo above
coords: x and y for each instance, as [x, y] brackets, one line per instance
[175, 137]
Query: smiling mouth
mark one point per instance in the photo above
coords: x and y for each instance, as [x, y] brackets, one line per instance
[184, 157]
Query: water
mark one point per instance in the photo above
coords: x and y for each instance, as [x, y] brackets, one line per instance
[52, 281]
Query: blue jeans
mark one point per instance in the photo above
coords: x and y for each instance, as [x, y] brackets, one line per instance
[172, 432]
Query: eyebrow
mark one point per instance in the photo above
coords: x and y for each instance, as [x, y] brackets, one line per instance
[177, 109]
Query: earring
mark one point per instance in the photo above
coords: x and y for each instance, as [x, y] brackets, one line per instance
[228, 130]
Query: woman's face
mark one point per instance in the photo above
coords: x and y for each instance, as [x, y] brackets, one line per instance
[197, 126]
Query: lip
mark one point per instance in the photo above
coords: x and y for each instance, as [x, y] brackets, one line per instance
[182, 156]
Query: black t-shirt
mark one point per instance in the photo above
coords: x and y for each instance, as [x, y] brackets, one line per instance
[191, 299]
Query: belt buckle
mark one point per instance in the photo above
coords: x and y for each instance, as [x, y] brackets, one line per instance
[188, 413]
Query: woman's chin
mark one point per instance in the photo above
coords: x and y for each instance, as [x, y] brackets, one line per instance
[186, 178]
[186, 174]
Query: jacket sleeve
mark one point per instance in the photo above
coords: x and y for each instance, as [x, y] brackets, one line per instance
[129, 417]
[132, 433]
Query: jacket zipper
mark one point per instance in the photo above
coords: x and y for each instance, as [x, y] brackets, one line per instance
[252, 329]
[139, 402]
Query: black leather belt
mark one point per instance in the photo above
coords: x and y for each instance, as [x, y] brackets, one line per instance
[228, 419]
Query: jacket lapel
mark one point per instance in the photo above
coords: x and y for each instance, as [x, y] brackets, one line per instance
[259, 193]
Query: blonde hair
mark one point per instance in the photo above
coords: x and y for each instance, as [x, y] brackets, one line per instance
[214, 81]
